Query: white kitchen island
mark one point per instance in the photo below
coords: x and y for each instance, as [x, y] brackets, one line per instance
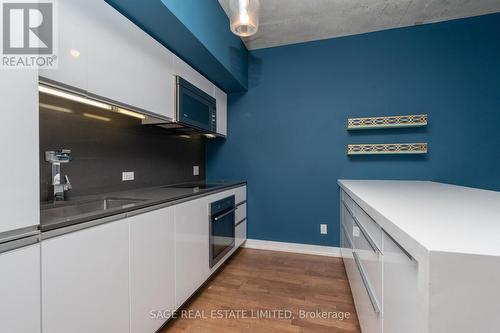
[422, 257]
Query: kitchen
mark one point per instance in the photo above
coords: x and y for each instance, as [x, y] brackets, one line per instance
[250, 166]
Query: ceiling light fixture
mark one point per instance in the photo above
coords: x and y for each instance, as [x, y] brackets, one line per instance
[244, 17]
[73, 97]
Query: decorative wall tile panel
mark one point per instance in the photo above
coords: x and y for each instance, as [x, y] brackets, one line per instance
[387, 122]
[390, 148]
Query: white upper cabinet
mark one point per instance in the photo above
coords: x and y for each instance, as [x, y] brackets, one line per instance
[126, 65]
[104, 54]
[20, 290]
[152, 269]
[221, 99]
[19, 196]
[72, 51]
[189, 74]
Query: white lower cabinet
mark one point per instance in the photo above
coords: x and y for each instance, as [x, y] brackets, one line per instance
[384, 278]
[364, 270]
[191, 248]
[123, 276]
[152, 275]
[402, 304]
[20, 290]
[85, 281]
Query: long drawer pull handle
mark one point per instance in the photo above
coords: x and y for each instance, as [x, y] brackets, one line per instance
[367, 236]
[346, 207]
[398, 245]
[242, 220]
[240, 203]
[347, 235]
[373, 300]
[363, 230]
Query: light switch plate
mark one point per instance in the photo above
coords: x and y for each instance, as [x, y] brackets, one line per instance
[127, 176]
[355, 231]
[196, 170]
[324, 229]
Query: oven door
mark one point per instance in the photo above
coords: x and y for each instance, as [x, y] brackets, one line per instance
[222, 234]
[195, 108]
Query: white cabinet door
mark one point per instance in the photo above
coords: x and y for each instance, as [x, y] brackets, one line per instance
[189, 74]
[72, 50]
[126, 65]
[85, 280]
[402, 304]
[191, 248]
[152, 264]
[19, 195]
[20, 290]
[221, 100]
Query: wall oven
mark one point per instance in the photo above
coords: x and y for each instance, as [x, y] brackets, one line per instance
[195, 108]
[222, 229]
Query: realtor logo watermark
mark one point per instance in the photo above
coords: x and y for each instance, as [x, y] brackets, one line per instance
[29, 38]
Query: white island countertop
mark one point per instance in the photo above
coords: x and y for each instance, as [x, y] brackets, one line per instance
[427, 216]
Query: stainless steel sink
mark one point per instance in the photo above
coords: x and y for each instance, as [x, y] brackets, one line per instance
[69, 209]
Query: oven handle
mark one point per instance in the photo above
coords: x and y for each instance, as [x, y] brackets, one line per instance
[217, 218]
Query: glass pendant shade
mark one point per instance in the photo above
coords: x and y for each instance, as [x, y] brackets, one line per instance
[244, 17]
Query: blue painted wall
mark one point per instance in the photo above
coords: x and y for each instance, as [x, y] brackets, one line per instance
[196, 31]
[209, 23]
[287, 135]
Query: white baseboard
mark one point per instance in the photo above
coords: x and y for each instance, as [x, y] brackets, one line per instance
[318, 250]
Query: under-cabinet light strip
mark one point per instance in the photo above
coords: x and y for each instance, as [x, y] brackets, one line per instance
[82, 99]
[73, 97]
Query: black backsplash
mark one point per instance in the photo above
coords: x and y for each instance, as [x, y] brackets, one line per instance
[104, 144]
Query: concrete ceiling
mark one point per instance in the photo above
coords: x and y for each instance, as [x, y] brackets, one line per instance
[294, 21]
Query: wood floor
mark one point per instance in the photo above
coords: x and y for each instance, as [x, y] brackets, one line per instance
[248, 292]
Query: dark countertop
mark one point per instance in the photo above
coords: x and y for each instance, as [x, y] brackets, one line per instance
[68, 213]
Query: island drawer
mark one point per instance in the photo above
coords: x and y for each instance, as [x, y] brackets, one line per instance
[370, 228]
[369, 261]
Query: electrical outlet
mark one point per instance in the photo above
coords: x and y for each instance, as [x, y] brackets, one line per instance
[196, 170]
[324, 229]
[127, 176]
[355, 231]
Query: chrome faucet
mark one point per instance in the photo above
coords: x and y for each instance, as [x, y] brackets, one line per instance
[56, 157]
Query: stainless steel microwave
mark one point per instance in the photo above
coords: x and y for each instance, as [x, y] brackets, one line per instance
[195, 108]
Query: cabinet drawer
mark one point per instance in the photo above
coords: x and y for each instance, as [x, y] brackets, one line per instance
[404, 310]
[347, 200]
[241, 233]
[372, 231]
[347, 221]
[346, 252]
[369, 315]
[241, 212]
[240, 194]
[370, 265]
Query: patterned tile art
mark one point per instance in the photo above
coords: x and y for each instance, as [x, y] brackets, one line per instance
[387, 122]
[391, 148]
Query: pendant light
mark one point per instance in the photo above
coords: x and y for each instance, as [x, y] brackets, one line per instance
[244, 17]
